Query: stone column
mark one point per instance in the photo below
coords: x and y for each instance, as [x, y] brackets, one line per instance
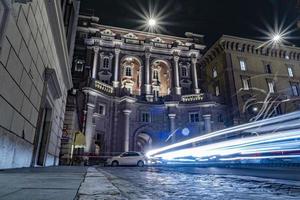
[126, 129]
[95, 62]
[147, 74]
[207, 123]
[116, 69]
[172, 126]
[176, 74]
[195, 76]
[89, 128]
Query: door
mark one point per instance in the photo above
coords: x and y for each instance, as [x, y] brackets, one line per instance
[44, 133]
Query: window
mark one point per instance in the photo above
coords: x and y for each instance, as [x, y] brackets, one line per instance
[101, 109]
[194, 117]
[271, 86]
[155, 74]
[243, 65]
[183, 72]
[215, 73]
[217, 90]
[106, 63]
[128, 71]
[145, 117]
[246, 83]
[268, 69]
[295, 90]
[79, 66]
[290, 72]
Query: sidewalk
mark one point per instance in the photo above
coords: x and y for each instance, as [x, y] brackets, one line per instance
[57, 183]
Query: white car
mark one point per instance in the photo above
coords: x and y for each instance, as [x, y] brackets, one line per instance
[127, 158]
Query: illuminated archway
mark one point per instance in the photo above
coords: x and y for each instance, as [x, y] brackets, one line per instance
[143, 142]
[131, 74]
[161, 78]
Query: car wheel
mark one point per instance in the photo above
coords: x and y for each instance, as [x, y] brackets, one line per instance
[115, 163]
[140, 164]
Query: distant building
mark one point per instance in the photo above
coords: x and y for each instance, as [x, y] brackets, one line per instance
[132, 89]
[254, 81]
[36, 45]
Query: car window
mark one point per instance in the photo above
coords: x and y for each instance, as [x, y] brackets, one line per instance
[125, 154]
[134, 154]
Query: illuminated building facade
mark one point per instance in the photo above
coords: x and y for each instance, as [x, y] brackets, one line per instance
[133, 89]
[255, 81]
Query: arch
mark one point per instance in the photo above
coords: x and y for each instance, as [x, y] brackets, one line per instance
[143, 142]
[132, 57]
[143, 135]
[161, 84]
[131, 73]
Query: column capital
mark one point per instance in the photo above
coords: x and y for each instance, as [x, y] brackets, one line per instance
[176, 58]
[96, 49]
[90, 105]
[127, 111]
[207, 116]
[194, 59]
[147, 55]
[172, 115]
[117, 51]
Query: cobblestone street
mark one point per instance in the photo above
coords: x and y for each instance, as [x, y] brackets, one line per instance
[166, 183]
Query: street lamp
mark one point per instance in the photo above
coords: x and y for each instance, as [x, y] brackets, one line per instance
[277, 38]
[151, 22]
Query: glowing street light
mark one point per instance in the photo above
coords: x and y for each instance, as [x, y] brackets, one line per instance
[151, 22]
[277, 38]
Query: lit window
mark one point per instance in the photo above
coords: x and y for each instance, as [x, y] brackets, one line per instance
[145, 117]
[215, 73]
[246, 83]
[101, 109]
[155, 74]
[290, 72]
[243, 65]
[295, 90]
[271, 86]
[106, 63]
[217, 90]
[128, 71]
[268, 69]
[183, 72]
[194, 117]
[79, 66]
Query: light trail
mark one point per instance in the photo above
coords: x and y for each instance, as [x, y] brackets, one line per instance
[260, 123]
[240, 146]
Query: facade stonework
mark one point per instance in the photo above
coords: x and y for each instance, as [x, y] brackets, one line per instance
[35, 77]
[134, 89]
[255, 81]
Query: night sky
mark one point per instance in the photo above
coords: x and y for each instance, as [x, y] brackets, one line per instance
[211, 18]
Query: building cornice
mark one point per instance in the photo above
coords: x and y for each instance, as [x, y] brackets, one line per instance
[228, 43]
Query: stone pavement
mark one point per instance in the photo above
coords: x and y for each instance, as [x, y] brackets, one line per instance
[123, 183]
[46, 183]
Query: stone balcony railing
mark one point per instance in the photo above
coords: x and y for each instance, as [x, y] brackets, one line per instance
[192, 97]
[102, 87]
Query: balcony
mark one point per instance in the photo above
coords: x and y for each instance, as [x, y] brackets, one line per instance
[101, 87]
[192, 97]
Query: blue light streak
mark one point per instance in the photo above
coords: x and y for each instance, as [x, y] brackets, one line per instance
[278, 144]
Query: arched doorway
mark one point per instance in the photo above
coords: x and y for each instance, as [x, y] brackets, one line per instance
[143, 142]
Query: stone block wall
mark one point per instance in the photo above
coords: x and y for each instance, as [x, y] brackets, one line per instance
[27, 48]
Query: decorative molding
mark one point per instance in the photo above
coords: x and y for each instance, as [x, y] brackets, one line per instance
[53, 83]
[108, 32]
